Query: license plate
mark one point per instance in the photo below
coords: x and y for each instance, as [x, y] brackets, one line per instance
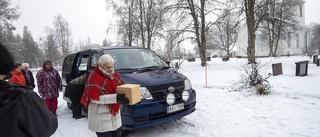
[175, 107]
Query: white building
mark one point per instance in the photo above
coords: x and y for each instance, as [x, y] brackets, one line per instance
[295, 43]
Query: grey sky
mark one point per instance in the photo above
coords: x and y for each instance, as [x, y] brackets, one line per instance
[89, 18]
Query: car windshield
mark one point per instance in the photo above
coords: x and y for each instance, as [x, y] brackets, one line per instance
[135, 59]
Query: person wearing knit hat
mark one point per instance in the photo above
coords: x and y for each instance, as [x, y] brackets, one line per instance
[6, 62]
[28, 75]
[22, 111]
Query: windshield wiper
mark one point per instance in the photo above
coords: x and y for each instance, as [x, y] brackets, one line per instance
[127, 69]
[155, 68]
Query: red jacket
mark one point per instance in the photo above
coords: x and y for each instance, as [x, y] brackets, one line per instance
[98, 84]
[17, 77]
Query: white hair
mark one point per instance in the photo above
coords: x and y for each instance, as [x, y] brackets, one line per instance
[25, 65]
[104, 59]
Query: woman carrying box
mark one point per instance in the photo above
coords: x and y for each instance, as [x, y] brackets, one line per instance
[100, 98]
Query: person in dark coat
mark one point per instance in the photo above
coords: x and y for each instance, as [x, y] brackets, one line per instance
[22, 112]
[74, 91]
[28, 75]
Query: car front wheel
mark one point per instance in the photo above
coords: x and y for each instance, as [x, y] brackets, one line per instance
[69, 105]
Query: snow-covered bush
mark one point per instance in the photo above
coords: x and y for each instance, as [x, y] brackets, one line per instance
[252, 79]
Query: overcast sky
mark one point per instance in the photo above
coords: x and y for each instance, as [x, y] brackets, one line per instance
[89, 18]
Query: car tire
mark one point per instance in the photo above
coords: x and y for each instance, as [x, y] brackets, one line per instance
[69, 105]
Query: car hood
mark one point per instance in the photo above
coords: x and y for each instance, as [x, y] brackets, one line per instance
[153, 78]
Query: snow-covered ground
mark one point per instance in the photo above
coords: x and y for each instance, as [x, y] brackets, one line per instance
[292, 109]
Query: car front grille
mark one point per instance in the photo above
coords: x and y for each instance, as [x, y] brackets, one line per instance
[160, 92]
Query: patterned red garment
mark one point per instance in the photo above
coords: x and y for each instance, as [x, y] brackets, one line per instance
[99, 84]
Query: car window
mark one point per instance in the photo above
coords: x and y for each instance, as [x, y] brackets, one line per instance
[68, 62]
[83, 63]
[94, 59]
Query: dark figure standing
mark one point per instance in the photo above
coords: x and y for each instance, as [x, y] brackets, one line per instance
[74, 91]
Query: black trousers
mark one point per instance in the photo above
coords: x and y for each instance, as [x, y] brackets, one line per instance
[116, 133]
[76, 106]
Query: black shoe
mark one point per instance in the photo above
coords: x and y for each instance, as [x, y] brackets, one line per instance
[78, 117]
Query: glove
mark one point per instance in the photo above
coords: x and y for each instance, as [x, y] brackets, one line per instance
[122, 99]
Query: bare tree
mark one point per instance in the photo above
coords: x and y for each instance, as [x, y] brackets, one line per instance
[126, 24]
[198, 16]
[106, 43]
[199, 22]
[80, 45]
[314, 40]
[195, 12]
[62, 33]
[173, 38]
[252, 77]
[141, 25]
[225, 32]
[278, 17]
[251, 29]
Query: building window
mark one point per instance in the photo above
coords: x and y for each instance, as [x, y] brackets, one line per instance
[305, 39]
[289, 40]
[297, 40]
[300, 10]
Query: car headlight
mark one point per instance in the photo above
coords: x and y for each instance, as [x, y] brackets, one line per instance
[170, 98]
[144, 93]
[187, 84]
[185, 95]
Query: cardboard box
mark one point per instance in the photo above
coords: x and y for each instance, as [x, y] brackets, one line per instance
[131, 91]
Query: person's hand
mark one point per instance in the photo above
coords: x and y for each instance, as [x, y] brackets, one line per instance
[122, 99]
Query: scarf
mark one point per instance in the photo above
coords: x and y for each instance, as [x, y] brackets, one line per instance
[100, 84]
[27, 76]
[110, 75]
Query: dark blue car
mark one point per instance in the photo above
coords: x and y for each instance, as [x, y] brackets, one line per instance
[165, 94]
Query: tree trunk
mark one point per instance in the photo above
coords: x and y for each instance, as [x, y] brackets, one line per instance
[199, 31]
[141, 24]
[249, 6]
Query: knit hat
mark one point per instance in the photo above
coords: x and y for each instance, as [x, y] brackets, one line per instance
[25, 65]
[6, 61]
